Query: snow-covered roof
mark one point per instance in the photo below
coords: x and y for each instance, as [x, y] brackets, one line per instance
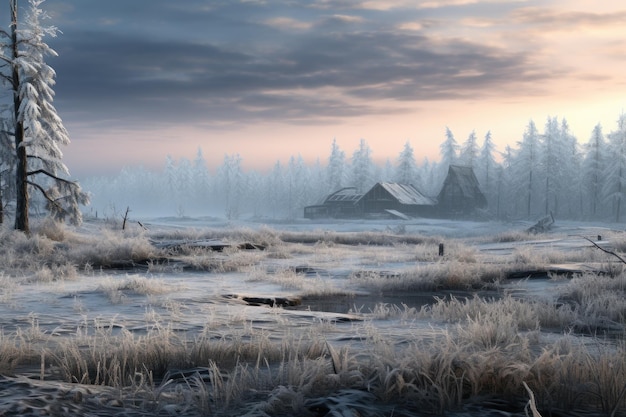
[407, 194]
[344, 194]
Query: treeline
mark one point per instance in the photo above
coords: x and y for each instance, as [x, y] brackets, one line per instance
[546, 171]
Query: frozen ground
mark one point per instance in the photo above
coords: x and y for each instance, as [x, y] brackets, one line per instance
[322, 279]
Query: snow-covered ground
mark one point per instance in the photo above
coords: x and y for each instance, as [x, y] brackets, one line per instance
[324, 278]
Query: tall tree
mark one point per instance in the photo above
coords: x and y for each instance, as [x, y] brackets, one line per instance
[232, 184]
[34, 124]
[570, 173]
[297, 182]
[615, 174]
[448, 150]
[336, 167]
[406, 168]
[593, 167]
[553, 161]
[525, 166]
[486, 169]
[469, 150]
[362, 167]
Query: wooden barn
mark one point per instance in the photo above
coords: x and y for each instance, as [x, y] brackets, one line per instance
[460, 194]
[396, 199]
[340, 204]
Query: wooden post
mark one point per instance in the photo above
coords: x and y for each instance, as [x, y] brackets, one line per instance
[125, 218]
[441, 249]
[599, 238]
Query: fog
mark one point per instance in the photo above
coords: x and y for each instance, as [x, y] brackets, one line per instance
[546, 172]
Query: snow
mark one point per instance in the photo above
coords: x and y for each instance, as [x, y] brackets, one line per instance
[195, 302]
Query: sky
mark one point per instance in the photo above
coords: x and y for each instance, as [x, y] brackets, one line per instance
[138, 80]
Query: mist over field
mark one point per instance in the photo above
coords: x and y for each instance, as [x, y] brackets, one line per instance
[546, 172]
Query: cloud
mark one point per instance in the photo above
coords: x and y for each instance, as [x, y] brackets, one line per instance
[288, 23]
[552, 19]
[232, 62]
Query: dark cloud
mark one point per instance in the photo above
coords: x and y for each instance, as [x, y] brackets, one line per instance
[151, 62]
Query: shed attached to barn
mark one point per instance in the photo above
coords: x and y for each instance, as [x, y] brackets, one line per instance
[393, 197]
[460, 194]
[340, 204]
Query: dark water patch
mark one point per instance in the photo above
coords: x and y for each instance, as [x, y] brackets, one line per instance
[345, 304]
[214, 245]
[368, 303]
[267, 301]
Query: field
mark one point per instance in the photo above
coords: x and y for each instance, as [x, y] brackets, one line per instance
[201, 317]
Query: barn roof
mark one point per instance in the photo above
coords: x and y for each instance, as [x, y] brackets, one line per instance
[407, 194]
[344, 194]
[465, 179]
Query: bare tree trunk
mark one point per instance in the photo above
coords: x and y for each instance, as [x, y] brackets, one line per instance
[21, 185]
[1, 202]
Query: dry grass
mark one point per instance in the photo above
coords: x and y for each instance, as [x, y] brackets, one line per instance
[486, 354]
[482, 347]
[433, 277]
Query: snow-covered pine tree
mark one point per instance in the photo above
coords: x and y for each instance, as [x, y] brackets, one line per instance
[615, 174]
[230, 178]
[485, 169]
[551, 165]
[201, 182]
[406, 167]
[505, 185]
[362, 167]
[335, 171]
[297, 181]
[469, 150]
[34, 124]
[570, 174]
[448, 151]
[525, 169]
[593, 169]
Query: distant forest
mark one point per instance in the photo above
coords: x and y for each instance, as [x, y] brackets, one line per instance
[546, 171]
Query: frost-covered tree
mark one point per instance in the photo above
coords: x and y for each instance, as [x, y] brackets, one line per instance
[615, 174]
[275, 187]
[201, 176]
[362, 167]
[428, 177]
[593, 168]
[297, 182]
[524, 166]
[406, 168]
[469, 150]
[335, 171]
[551, 162]
[570, 174]
[485, 169]
[505, 185]
[448, 150]
[34, 125]
[232, 185]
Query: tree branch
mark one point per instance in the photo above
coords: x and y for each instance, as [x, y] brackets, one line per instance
[46, 196]
[43, 171]
[604, 250]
